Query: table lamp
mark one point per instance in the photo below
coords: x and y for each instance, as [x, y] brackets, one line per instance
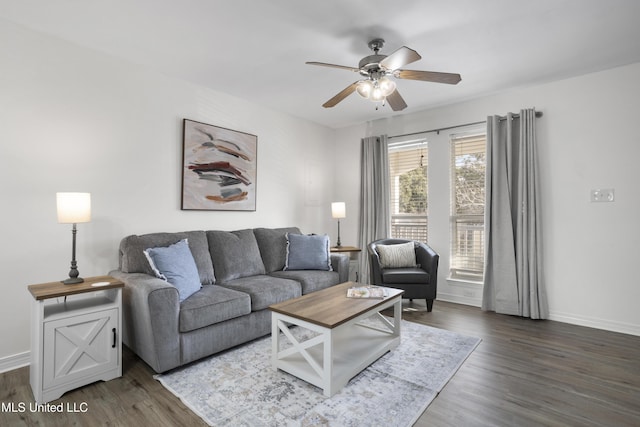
[73, 208]
[338, 210]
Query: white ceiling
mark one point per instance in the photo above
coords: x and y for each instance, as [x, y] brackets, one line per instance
[257, 49]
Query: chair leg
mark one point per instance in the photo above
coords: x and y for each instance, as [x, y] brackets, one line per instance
[429, 305]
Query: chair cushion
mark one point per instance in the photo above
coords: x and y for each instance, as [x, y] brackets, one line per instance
[265, 290]
[311, 280]
[404, 275]
[212, 304]
[397, 256]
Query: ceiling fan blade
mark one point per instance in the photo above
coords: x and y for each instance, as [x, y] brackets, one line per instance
[400, 58]
[340, 96]
[428, 76]
[324, 64]
[396, 102]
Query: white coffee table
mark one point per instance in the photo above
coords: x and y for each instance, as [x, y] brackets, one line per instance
[343, 346]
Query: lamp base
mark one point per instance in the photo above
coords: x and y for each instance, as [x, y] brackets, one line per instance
[73, 280]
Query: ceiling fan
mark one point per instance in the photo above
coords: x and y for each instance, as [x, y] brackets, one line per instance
[376, 70]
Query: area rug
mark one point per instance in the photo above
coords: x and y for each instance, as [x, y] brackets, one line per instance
[239, 387]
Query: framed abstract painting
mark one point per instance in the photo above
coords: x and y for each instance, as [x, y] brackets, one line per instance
[219, 168]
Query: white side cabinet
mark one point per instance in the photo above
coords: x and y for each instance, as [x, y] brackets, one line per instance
[75, 335]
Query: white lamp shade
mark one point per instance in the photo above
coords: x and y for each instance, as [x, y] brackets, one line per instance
[338, 210]
[73, 207]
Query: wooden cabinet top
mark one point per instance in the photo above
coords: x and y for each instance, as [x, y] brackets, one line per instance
[344, 249]
[43, 291]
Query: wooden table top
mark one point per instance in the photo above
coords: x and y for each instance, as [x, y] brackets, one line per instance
[330, 307]
[58, 289]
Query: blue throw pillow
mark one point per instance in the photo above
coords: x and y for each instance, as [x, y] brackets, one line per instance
[307, 252]
[175, 264]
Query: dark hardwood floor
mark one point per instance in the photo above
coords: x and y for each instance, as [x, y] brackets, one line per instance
[535, 373]
[524, 373]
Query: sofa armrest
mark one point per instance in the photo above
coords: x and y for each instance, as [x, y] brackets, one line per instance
[151, 310]
[340, 263]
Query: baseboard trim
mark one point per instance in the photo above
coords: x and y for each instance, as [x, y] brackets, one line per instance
[590, 322]
[459, 299]
[15, 361]
[607, 325]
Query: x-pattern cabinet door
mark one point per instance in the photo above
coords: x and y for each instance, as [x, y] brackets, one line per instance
[78, 346]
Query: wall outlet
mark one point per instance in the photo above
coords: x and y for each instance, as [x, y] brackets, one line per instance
[603, 195]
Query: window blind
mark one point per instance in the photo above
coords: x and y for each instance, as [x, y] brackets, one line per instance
[408, 163]
[468, 167]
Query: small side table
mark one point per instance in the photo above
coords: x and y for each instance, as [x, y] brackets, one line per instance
[75, 342]
[353, 255]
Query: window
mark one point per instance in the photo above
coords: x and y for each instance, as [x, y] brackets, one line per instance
[467, 206]
[455, 211]
[408, 192]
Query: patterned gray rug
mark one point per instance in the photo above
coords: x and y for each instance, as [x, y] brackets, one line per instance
[239, 388]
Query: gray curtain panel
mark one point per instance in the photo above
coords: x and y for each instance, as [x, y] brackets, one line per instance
[374, 197]
[513, 270]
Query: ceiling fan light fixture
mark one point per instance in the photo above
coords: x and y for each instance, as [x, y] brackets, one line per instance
[377, 94]
[386, 85]
[379, 73]
[364, 88]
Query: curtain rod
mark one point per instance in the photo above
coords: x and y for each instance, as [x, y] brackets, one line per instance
[538, 114]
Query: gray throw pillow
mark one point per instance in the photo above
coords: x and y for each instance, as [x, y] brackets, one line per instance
[175, 265]
[402, 255]
[273, 246]
[308, 252]
[133, 260]
[235, 254]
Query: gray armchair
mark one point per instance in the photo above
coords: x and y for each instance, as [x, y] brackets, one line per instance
[420, 281]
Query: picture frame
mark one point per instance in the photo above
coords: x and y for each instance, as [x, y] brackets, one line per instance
[219, 168]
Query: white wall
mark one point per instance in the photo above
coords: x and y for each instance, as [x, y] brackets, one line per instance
[588, 138]
[75, 120]
[72, 119]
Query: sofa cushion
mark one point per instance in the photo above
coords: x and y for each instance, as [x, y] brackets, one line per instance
[175, 264]
[307, 252]
[265, 290]
[212, 304]
[397, 256]
[272, 243]
[234, 254]
[133, 260]
[405, 275]
[310, 280]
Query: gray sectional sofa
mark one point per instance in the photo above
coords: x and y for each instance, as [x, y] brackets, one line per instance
[241, 272]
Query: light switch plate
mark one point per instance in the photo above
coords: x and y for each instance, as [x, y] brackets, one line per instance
[603, 195]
